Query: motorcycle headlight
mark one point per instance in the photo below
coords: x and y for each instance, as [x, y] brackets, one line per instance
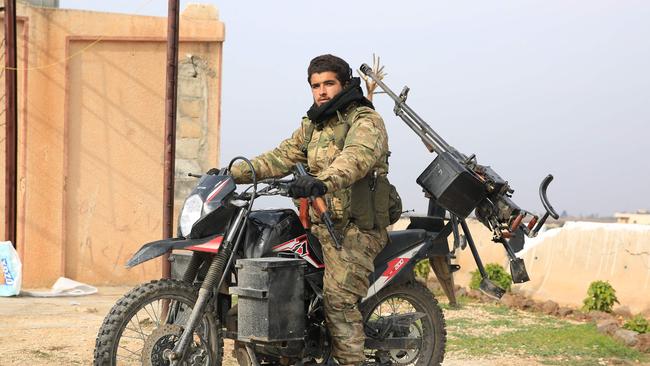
[190, 214]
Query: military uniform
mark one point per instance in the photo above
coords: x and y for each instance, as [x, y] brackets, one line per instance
[348, 152]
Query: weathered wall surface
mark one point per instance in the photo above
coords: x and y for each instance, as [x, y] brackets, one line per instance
[91, 136]
[566, 260]
[562, 262]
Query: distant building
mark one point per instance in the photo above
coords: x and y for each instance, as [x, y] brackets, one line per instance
[640, 217]
[43, 3]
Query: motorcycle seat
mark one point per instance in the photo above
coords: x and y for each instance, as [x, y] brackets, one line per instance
[398, 242]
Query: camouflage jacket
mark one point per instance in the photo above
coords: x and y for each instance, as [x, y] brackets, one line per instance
[364, 149]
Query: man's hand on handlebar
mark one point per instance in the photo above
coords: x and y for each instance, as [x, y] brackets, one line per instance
[307, 186]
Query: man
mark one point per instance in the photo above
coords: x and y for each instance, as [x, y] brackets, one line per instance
[344, 144]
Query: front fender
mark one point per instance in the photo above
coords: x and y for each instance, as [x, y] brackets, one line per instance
[157, 248]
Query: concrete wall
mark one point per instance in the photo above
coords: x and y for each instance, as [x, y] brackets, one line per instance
[91, 136]
[562, 262]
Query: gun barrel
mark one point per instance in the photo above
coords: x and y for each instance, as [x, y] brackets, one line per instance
[431, 139]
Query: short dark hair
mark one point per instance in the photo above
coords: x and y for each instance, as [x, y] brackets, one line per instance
[324, 63]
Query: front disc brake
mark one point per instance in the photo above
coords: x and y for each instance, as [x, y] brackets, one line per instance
[160, 340]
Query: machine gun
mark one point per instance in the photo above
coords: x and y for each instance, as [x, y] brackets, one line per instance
[458, 184]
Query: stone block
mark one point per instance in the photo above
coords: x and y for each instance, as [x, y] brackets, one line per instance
[628, 337]
[189, 128]
[187, 148]
[517, 301]
[643, 342]
[578, 315]
[527, 304]
[596, 316]
[192, 108]
[623, 311]
[549, 307]
[509, 299]
[193, 87]
[607, 326]
[186, 71]
[564, 311]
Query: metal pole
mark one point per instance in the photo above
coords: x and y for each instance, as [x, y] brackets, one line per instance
[170, 127]
[11, 114]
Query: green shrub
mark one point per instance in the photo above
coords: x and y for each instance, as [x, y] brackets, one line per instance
[638, 324]
[601, 296]
[422, 269]
[496, 273]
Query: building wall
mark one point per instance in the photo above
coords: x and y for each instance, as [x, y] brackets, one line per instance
[91, 136]
[633, 218]
[43, 3]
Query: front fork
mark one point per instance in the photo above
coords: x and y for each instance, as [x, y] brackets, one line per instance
[216, 272]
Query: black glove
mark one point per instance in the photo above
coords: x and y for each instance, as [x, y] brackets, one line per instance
[213, 171]
[307, 186]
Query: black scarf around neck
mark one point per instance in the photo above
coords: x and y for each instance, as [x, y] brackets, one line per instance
[351, 93]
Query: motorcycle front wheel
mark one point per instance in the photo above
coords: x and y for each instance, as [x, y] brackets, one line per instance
[148, 321]
[429, 328]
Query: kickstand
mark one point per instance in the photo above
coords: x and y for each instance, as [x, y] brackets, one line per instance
[251, 355]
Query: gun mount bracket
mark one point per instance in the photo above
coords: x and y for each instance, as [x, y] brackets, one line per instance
[404, 94]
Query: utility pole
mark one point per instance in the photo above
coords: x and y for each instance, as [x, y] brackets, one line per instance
[170, 127]
[11, 116]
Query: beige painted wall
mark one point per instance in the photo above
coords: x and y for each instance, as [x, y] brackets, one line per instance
[91, 136]
[562, 262]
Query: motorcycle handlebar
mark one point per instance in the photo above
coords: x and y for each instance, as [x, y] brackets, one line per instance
[544, 198]
[535, 225]
[282, 186]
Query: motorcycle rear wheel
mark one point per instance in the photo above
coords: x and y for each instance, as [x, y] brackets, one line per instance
[403, 299]
[148, 320]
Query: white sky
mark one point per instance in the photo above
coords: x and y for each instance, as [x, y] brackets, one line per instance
[530, 87]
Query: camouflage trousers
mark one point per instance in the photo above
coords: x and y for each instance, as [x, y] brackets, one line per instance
[345, 283]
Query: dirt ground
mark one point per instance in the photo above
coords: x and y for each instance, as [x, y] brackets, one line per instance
[61, 331]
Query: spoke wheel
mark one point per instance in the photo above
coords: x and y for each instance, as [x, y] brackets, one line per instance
[429, 329]
[145, 325]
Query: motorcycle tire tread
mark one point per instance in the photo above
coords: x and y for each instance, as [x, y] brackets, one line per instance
[104, 343]
[419, 291]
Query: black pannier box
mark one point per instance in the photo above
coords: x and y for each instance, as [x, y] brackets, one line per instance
[270, 304]
[453, 186]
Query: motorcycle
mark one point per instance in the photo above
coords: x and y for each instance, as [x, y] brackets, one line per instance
[275, 268]
[256, 276]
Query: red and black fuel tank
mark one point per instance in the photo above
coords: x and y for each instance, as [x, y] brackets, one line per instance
[269, 228]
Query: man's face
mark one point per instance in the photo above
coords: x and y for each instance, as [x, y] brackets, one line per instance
[324, 86]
